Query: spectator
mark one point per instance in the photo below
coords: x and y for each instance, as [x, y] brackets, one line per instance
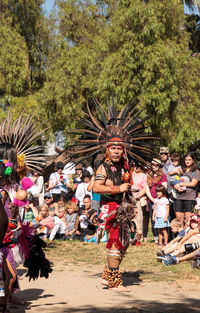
[78, 178]
[72, 220]
[197, 206]
[30, 213]
[175, 172]
[82, 188]
[38, 195]
[160, 215]
[89, 212]
[165, 159]
[61, 203]
[59, 229]
[95, 196]
[93, 237]
[138, 189]
[44, 213]
[167, 163]
[154, 178]
[185, 201]
[48, 200]
[86, 216]
[58, 182]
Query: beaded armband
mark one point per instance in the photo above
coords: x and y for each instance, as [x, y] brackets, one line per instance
[115, 189]
[100, 177]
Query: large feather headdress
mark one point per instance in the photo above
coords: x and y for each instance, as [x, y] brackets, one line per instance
[100, 125]
[23, 134]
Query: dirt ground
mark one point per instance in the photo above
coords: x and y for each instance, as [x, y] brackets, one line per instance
[78, 290]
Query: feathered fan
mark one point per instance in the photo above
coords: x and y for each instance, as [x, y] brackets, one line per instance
[23, 134]
[127, 124]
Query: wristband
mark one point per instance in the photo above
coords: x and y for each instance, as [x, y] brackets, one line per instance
[115, 189]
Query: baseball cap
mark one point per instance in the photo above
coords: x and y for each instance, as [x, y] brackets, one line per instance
[48, 195]
[164, 150]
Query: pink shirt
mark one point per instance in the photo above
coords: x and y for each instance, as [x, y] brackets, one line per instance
[139, 182]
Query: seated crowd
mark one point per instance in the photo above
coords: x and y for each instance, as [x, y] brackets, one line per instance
[165, 192]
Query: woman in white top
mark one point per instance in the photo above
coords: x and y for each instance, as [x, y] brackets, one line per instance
[38, 189]
[58, 182]
[82, 188]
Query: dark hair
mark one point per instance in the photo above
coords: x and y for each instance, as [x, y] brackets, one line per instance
[162, 189]
[175, 157]
[61, 198]
[87, 197]
[86, 173]
[2, 170]
[194, 165]
[60, 165]
[8, 152]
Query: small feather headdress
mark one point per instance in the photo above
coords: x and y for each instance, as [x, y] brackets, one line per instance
[98, 130]
[23, 134]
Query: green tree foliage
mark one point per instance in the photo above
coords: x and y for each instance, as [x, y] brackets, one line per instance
[136, 50]
[24, 40]
[140, 51]
[14, 71]
[26, 18]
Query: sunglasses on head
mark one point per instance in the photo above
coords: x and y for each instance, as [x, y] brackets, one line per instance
[154, 164]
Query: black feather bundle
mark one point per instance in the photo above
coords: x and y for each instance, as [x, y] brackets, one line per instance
[37, 264]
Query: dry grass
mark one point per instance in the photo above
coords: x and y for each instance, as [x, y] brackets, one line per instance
[141, 261]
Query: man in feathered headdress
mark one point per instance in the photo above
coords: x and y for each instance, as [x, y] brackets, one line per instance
[110, 184]
[124, 138]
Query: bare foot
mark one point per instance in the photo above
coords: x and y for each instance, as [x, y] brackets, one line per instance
[120, 288]
[104, 282]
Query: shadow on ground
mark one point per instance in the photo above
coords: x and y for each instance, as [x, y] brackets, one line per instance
[190, 306]
[29, 295]
[129, 278]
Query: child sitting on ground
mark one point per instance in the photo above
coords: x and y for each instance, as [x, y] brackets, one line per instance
[175, 172]
[191, 237]
[160, 214]
[191, 249]
[61, 203]
[59, 229]
[72, 220]
[44, 213]
[176, 228]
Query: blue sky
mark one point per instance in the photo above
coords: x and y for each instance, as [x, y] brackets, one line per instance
[187, 10]
[47, 6]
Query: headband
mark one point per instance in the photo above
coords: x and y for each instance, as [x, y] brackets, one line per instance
[115, 141]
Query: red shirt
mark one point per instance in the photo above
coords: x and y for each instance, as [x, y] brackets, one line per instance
[163, 179]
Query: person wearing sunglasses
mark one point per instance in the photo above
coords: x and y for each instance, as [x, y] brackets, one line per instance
[58, 182]
[165, 159]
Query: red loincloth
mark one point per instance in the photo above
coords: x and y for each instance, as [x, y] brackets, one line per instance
[114, 231]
